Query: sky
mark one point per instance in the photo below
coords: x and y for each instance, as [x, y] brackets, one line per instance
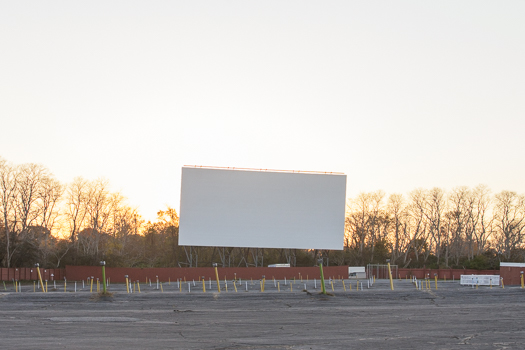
[396, 94]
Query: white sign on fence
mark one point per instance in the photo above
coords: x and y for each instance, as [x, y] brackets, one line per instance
[480, 280]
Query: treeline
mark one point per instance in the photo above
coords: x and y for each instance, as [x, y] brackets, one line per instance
[83, 222]
[463, 228]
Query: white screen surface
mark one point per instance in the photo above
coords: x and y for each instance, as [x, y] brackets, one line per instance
[243, 208]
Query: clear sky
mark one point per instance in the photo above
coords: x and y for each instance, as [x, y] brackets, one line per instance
[396, 94]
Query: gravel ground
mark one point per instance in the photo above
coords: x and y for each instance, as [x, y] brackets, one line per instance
[451, 317]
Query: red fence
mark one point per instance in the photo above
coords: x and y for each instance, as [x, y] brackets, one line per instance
[30, 273]
[511, 275]
[116, 274]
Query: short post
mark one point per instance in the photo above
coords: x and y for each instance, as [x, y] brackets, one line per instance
[323, 289]
[104, 287]
[390, 275]
[522, 286]
[436, 280]
[127, 283]
[217, 277]
[39, 277]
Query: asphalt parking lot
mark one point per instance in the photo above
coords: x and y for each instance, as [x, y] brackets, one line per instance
[284, 316]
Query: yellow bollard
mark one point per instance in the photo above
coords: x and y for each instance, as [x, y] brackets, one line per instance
[357, 286]
[374, 279]
[436, 280]
[217, 278]
[332, 282]
[161, 290]
[344, 288]
[90, 290]
[98, 286]
[445, 277]
[278, 286]
[127, 283]
[260, 283]
[203, 285]
[138, 286]
[502, 284]
[390, 275]
[180, 286]
[234, 286]
[65, 286]
[490, 283]
[291, 287]
[46, 286]
[16, 286]
[522, 284]
[34, 286]
[40, 278]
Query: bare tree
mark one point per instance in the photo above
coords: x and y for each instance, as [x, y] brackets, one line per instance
[434, 212]
[420, 233]
[8, 192]
[509, 218]
[30, 181]
[77, 199]
[397, 209]
[484, 221]
[459, 216]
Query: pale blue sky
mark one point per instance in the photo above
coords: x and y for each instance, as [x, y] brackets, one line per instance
[396, 94]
